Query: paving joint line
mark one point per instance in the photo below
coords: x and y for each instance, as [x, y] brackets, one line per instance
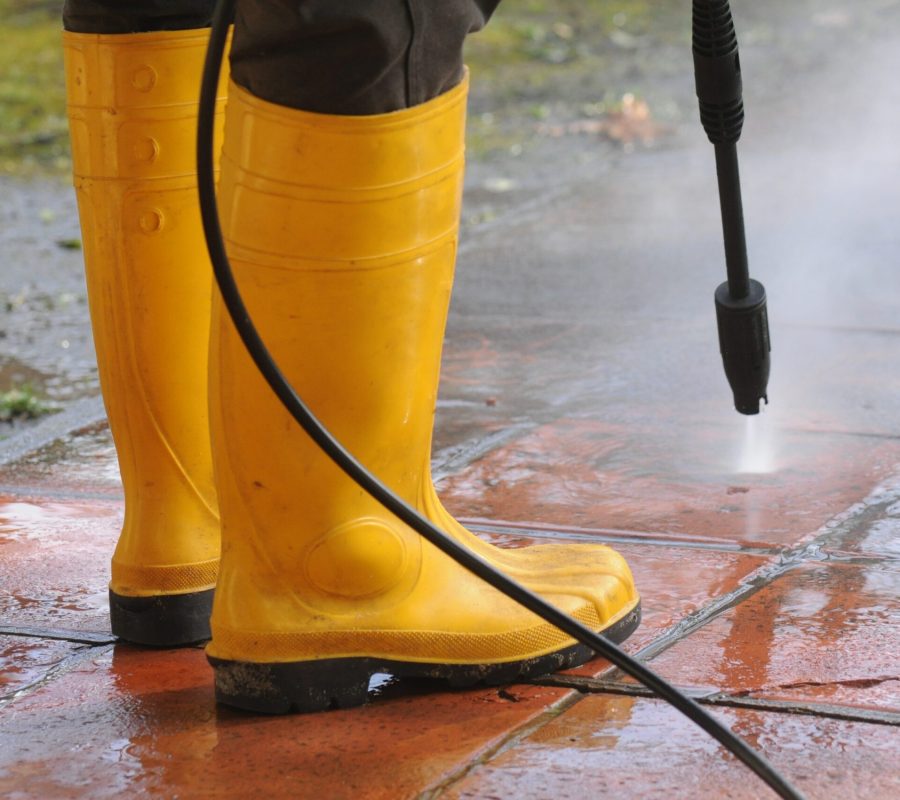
[510, 740]
[63, 666]
[593, 686]
[803, 553]
[59, 634]
[601, 535]
[757, 580]
[857, 559]
[881, 497]
[451, 460]
[838, 432]
[44, 493]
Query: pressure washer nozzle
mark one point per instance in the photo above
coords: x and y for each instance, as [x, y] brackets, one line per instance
[744, 344]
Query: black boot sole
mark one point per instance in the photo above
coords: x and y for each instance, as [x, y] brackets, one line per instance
[306, 686]
[172, 620]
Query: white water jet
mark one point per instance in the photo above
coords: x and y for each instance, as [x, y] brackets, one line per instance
[757, 455]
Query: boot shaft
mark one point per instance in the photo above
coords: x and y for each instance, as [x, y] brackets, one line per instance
[132, 105]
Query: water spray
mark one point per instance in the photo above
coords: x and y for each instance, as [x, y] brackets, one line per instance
[740, 301]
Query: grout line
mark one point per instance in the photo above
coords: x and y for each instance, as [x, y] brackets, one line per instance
[809, 552]
[838, 432]
[839, 556]
[827, 710]
[592, 686]
[58, 669]
[454, 458]
[564, 530]
[44, 493]
[510, 740]
[604, 535]
[59, 634]
[752, 583]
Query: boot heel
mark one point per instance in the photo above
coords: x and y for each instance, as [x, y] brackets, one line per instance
[300, 686]
[172, 620]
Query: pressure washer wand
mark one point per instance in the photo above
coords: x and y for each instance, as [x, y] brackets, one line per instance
[740, 301]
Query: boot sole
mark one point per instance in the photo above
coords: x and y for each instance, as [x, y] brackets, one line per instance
[306, 686]
[172, 620]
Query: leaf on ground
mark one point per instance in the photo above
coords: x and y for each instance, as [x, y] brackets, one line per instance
[631, 122]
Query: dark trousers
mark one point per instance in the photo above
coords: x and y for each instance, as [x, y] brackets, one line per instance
[328, 56]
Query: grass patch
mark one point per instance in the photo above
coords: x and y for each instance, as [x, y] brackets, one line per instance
[22, 403]
[531, 33]
[33, 134]
[556, 61]
[531, 53]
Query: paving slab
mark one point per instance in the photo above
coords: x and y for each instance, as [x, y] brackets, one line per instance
[876, 533]
[56, 552]
[54, 562]
[27, 661]
[581, 399]
[583, 475]
[821, 633]
[675, 582]
[133, 722]
[631, 747]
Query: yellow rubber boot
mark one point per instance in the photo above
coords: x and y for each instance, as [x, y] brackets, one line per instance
[342, 232]
[132, 102]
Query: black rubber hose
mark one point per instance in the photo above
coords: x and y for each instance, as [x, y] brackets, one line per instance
[356, 471]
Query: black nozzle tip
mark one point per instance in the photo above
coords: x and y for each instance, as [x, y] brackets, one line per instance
[749, 405]
[744, 344]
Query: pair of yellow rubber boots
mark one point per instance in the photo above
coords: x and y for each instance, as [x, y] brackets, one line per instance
[342, 233]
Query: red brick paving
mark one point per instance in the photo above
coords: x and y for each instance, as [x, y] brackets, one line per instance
[595, 475]
[820, 633]
[628, 747]
[24, 661]
[111, 722]
[143, 723]
[673, 581]
[54, 562]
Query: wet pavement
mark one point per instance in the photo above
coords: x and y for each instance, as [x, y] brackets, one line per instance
[581, 400]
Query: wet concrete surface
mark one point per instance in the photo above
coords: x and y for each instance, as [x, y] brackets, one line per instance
[581, 400]
[43, 299]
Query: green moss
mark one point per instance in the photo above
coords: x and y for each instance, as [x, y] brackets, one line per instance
[23, 403]
[33, 133]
